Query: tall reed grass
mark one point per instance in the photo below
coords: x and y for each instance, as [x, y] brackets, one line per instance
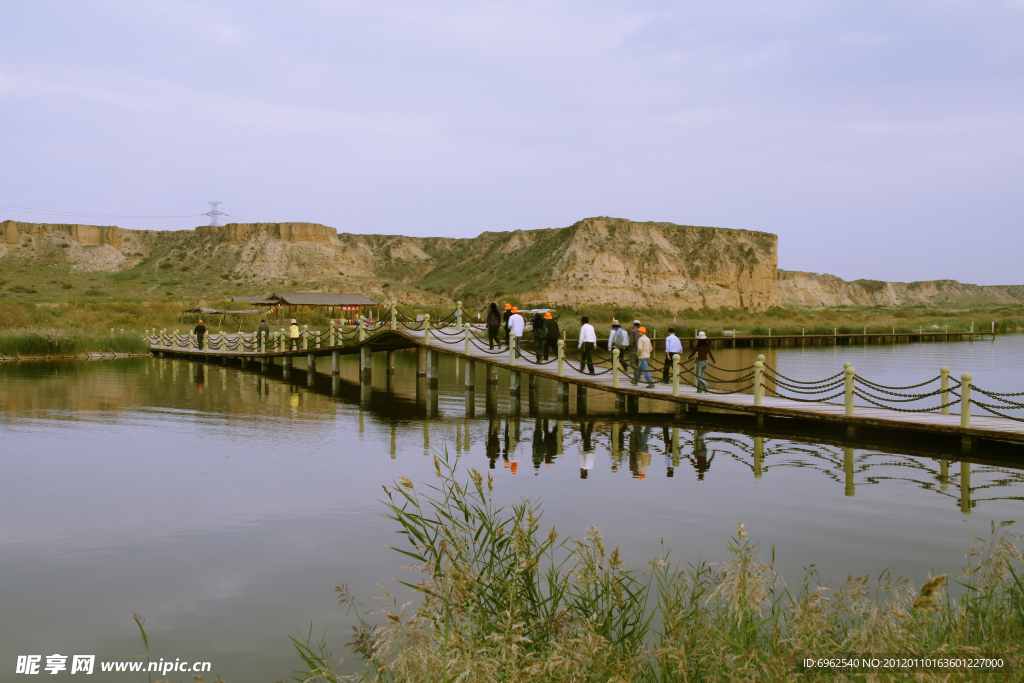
[502, 599]
[36, 342]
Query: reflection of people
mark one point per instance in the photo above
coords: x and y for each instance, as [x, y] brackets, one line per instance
[537, 444]
[551, 442]
[639, 452]
[669, 456]
[200, 377]
[586, 433]
[200, 334]
[586, 462]
[493, 444]
[700, 454]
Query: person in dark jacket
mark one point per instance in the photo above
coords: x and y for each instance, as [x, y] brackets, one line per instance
[540, 335]
[504, 318]
[200, 334]
[261, 330]
[703, 351]
[553, 333]
[493, 325]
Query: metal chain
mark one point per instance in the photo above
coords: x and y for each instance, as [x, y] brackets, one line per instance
[882, 386]
[904, 410]
[910, 397]
[805, 400]
[995, 394]
[797, 381]
[990, 408]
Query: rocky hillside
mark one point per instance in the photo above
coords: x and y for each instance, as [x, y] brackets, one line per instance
[797, 289]
[595, 261]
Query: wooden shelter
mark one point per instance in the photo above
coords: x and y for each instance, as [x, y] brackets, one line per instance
[332, 304]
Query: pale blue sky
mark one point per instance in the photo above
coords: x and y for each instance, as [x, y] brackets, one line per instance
[877, 139]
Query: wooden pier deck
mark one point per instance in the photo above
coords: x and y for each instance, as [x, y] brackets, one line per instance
[451, 341]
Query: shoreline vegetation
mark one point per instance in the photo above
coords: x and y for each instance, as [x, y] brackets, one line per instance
[502, 599]
[70, 328]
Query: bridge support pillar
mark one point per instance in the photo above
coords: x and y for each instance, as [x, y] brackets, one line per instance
[491, 398]
[620, 404]
[263, 364]
[515, 383]
[760, 419]
[632, 404]
[943, 475]
[391, 362]
[680, 410]
[335, 363]
[365, 365]
[581, 399]
[310, 377]
[492, 374]
[310, 363]
[470, 403]
[335, 385]
[563, 392]
[470, 375]
[534, 398]
[966, 444]
[848, 471]
[851, 431]
[286, 371]
[421, 361]
[758, 451]
[365, 392]
[965, 487]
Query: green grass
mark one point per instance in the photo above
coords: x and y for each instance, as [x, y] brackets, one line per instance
[503, 600]
[63, 342]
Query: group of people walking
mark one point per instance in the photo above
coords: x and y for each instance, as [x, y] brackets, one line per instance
[635, 347]
[544, 325]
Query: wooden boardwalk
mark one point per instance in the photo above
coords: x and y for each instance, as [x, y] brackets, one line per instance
[451, 341]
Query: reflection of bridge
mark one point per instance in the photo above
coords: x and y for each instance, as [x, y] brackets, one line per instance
[639, 444]
[769, 396]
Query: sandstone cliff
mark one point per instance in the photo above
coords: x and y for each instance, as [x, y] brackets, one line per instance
[595, 261]
[816, 290]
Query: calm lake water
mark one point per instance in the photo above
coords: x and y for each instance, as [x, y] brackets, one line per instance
[225, 506]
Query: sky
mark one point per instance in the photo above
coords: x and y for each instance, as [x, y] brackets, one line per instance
[880, 140]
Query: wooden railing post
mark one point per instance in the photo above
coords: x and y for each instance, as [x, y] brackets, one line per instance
[615, 368]
[362, 328]
[394, 315]
[331, 334]
[426, 329]
[263, 342]
[965, 400]
[305, 337]
[675, 374]
[848, 388]
[944, 396]
[758, 366]
[512, 348]
[561, 358]
[466, 327]
[458, 313]
[174, 340]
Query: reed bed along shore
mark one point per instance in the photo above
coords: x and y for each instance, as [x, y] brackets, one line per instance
[503, 599]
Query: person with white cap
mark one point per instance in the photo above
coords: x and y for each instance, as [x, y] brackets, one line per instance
[703, 351]
[293, 335]
[618, 339]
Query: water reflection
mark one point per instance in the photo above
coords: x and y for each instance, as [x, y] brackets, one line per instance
[256, 470]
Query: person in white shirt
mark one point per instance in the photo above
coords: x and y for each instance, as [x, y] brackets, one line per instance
[586, 344]
[672, 347]
[516, 325]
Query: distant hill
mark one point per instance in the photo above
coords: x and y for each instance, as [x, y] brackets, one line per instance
[596, 261]
[813, 290]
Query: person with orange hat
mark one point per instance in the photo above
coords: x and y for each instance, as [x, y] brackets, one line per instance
[200, 334]
[516, 325]
[643, 352]
[505, 316]
[551, 325]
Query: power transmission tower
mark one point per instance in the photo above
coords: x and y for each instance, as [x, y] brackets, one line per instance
[214, 214]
